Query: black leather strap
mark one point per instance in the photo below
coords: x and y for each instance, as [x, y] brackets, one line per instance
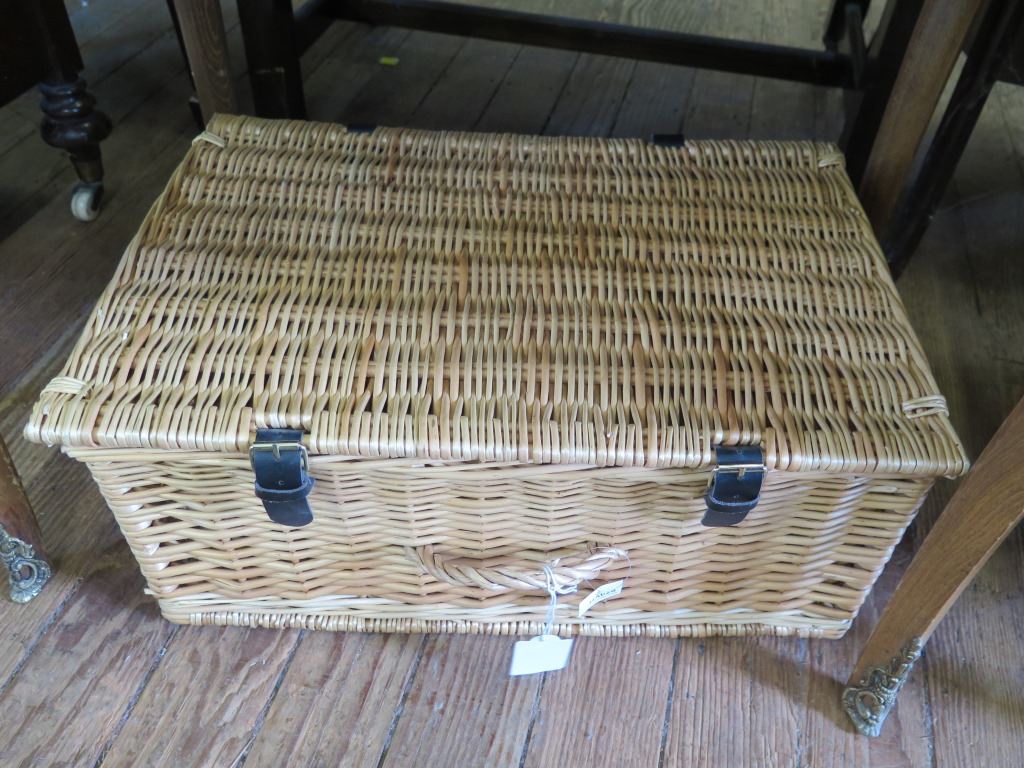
[282, 483]
[736, 486]
[673, 140]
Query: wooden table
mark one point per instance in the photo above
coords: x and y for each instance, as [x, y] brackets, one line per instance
[898, 76]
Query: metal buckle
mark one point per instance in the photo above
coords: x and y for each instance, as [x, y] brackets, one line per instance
[276, 449]
[732, 492]
[739, 469]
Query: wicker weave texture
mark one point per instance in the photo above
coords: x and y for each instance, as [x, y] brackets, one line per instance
[507, 352]
[501, 298]
[461, 547]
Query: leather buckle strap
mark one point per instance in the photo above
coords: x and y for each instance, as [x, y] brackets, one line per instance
[281, 465]
[735, 485]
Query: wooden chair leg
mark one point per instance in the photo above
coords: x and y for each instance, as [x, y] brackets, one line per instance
[933, 48]
[21, 547]
[193, 101]
[982, 513]
[836, 27]
[202, 30]
[272, 52]
[991, 48]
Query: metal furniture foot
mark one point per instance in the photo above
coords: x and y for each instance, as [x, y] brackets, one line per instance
[869, 700]
[985, 509]
[20, 542]
[26, 573]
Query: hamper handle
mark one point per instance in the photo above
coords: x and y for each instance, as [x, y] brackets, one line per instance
[566, 572]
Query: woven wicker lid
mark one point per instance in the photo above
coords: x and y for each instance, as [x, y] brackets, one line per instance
[505, 298]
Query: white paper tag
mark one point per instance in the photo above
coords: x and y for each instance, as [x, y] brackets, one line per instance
[545, 653]
[602, 593]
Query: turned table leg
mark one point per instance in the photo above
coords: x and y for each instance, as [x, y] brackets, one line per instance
[20, 543]
[985, 509]
[71, 123]
[70, 120]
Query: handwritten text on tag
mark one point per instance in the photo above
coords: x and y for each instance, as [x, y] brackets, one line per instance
[611, 589]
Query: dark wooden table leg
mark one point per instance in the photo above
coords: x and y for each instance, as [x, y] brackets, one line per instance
[836, 28]
[202, 29]
[272, 53]
[985, 509]
[865, 108]
[21, 547]
[70, 121]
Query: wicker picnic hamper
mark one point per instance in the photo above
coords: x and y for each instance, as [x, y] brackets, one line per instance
[488, 354]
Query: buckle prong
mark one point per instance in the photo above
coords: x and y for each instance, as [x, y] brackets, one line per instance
[276, 448]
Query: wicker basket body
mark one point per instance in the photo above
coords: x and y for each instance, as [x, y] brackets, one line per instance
[506, 353]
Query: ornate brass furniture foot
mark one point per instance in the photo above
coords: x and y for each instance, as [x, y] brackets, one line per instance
[20, 542]
[985, 509]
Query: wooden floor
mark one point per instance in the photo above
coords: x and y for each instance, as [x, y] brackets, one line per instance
[91, 675]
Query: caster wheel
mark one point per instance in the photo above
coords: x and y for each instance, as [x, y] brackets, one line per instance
[85, 201]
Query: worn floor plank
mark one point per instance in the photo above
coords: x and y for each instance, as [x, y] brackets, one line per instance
[607, 708]
[395, 91]
[577, 112]
[348, 64]
[466, 87]
[733, 684]
[529, 92]
[463, 709]
[204, 702]
[338, 700]
[79, 682]
[721, 103]
[657, 94]
[776, 103]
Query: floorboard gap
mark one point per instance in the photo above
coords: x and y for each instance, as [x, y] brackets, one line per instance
[57, 611]
[533, 719]
[668, 705]
[401, 702]
[561, 92]
[135, 697]
[240, 760]
[497, 88]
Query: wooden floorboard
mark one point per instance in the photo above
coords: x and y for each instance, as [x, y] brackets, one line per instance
[90, 674]
[74, 690]
[180, 719]
[463, 708]
[339, 702]
[529, 92]
[470, 80]
[607, 708]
